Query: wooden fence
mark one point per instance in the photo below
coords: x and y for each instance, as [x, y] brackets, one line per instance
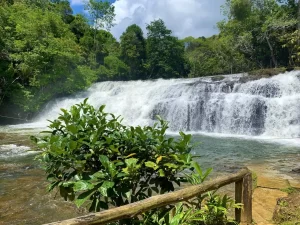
[243, 194]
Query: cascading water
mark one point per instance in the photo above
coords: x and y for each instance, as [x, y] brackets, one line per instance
[233, 105]
[260, 109]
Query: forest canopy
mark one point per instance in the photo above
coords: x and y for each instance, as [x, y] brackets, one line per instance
[47, 51]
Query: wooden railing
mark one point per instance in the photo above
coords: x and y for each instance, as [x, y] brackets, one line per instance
[243, 194]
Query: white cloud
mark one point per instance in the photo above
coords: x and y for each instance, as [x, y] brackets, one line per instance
[184, 17]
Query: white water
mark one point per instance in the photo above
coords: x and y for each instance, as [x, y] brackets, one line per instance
[7, 151]
[269, 107]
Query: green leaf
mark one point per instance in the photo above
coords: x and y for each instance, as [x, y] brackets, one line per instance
[104, 161]
[68, 184]
[131, 162]
[98, 175]
[161, 173]
[72, 145]
[108, 140]
[101, 108]
[151, 165]
[128, 194]
[197, 167]
[93, 138]
[53, 185]
[171, 165]
[82, 198]
[105, 186]
[82, 186]
[72, 128]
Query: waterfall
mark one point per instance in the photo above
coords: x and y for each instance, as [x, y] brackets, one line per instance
[233, 104]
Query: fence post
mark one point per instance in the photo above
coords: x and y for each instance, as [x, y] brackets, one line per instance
[238, 199]
[243, 194]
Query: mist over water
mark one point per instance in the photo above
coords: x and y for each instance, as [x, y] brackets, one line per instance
[265, 107]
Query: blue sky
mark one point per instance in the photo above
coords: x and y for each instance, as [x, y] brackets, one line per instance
[184, 17]
[77, 6]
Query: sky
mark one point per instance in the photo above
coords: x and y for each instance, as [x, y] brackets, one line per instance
[184, 17]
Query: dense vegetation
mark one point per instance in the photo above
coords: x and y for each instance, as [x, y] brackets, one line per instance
[46, 51]
[96, 161]
[256, 34]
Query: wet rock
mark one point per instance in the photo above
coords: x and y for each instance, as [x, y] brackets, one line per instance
[272, 182]
[296, 170]
[264, 203]
[28, 167]
[231, 168]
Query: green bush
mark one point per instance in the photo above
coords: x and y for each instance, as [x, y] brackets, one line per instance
[214, 212]
[206, 209]
[95, 160]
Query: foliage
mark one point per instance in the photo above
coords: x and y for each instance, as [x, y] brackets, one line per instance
[208, 209]
[40, 55]
[262, 30]
[113, 69]
[47, 52]
[101, 13]
[215, 55]
[133, 51]
[287, 211]
[256, 34]
[93, 159]
[165, 52]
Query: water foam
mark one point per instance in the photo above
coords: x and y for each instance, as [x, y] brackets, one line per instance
[8, 151]
[267, 107]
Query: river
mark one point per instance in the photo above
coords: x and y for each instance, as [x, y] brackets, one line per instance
[237, 122]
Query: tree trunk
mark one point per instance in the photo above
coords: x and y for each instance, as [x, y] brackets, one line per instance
[272, 51]
[298, 15]
[298, 33]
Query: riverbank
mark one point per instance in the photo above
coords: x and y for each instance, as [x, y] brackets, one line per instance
[271, 187]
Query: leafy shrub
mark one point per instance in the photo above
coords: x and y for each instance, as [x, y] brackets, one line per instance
[214, 212]
[93, 159]
[267, 72]
[207, 209]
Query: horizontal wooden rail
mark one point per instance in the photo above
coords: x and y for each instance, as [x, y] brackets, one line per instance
[243, 192]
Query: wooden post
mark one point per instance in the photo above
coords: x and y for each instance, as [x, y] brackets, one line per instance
[243, 194]
[238, 199]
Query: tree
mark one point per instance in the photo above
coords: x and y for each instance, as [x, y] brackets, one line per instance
[240, 9]
[101, 13]
[214, 55]
[40, 60]
[97, 44]
[64, 9]
[165, 52]
[113, 69]
[79, 26]
[255, 26]
[133, 51]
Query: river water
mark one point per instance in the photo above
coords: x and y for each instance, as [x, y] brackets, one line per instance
[236, 123]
